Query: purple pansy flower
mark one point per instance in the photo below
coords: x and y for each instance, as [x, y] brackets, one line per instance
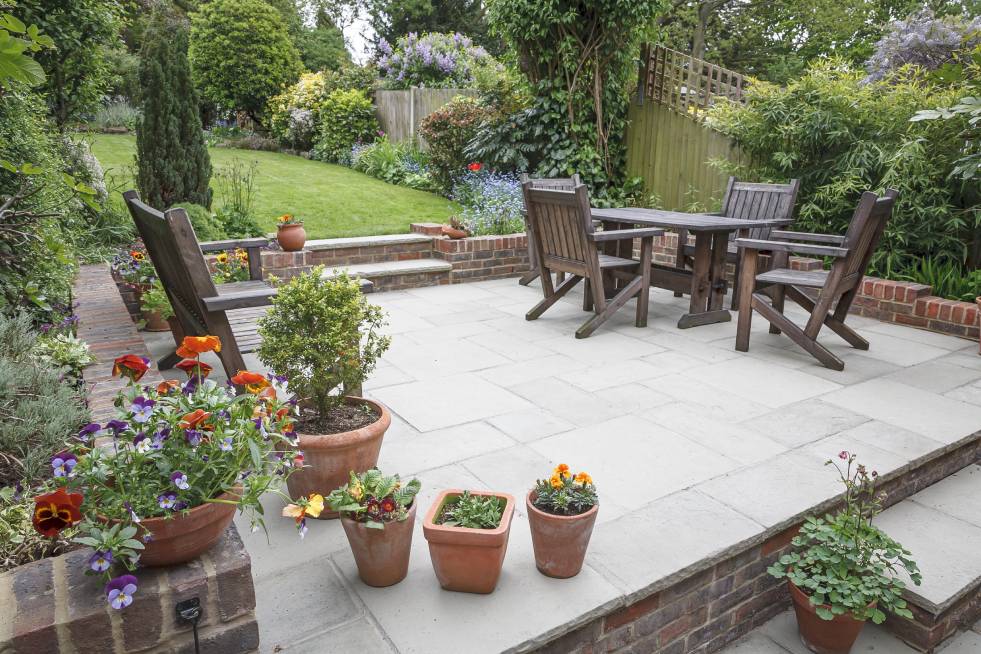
[132, 514]
[180, 506]
[303, 527]
[167, 500]
[63, 464]
[193, 437]
[142, 443]
[180, 480]
[89, 431]
[226, 444]
[142, 409]
[116, 426]
[100, 561]
[120, 591]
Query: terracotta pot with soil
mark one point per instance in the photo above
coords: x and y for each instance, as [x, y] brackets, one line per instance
[330, 457]
[291, 237]
[454, 233]
[977, 300]
[154, 322]
[466, 559]
[560, 541]
[835, 636]
[382, 555]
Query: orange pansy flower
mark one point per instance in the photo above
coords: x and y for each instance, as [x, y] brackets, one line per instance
[56, 511]
[166, 386]
[193, 419]
[252, 381]
[130, 366]
[192, 346]
[194, 367]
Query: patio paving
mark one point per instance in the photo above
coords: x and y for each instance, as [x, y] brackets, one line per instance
[695, 448]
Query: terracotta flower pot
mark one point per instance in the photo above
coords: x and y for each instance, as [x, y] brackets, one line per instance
[154, 322]
[382, 555]
[978, 301]
[559, 541]
[835, 636]
[453, 232]
[330, 458]
[291, 237]
[467, 560]
[183, 538]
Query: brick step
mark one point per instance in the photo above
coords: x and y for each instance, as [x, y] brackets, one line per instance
[393, 275]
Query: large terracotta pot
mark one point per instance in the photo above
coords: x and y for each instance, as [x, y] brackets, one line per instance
[382, 555]
[154, 322]
[835, 636]
[559, 541]
[330, 458]
[291, 237]
[185, 537]
[467, 560]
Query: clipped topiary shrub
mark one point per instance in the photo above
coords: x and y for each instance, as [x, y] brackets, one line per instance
[347, 117]
[448, 131]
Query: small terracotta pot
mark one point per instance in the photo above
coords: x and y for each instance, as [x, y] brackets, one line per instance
[467, 560]
[291, 237]
[454, 233]
[154, 322]
[559, 541]
[978, 301]
[835, 636]
[186, 537]
[382, 555]
[330, 458]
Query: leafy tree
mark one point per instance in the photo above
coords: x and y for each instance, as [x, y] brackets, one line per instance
[77, 68]
[322, 47]
[172, 160]
[18, 44]
[391, 19]
[241, 54]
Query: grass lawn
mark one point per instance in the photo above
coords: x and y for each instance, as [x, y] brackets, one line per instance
[331, 200]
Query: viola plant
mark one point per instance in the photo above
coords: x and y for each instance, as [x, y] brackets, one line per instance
[172, 447]
[374, 499]
[288, 219]
[565, 493]
[231, 266]
[134, 267]
[843, 562]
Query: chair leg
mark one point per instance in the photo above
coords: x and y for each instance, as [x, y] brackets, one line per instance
[796, 334]
[169, 361]
[747, 280]
[529, 277]
[777, 297]
[644, 298]
[833, 322]
[603, 314]
[587, 296]
[543, 306]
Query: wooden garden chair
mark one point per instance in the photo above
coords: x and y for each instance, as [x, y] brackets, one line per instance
[228, 311]
[746, 200]
[556, 184]
[836, 288]
[566, 242]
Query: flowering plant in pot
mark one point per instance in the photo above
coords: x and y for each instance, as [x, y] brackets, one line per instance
[842, 570]
[468, 534]
[377, 513]
[134, 267]
[561, 513]
[156, 308]
[290, 233]
[231, 266]
[323, 335]
[159, 484]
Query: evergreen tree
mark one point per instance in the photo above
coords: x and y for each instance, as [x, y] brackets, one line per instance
[172, 159]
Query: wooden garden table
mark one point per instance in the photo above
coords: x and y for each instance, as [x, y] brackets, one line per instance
[706, 282]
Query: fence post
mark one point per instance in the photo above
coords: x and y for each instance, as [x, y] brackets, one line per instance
[643, 72]
[412, 115]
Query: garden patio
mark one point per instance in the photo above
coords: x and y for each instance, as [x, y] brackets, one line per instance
[704, 457]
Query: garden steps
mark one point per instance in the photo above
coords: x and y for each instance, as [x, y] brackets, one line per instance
[380, 241]
[393, 275]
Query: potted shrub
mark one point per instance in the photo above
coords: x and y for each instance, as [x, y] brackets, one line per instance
[133, 269]
[842, 570]
[377, 513]
[290, 233]
[163, 481]
[322, 336]
[561, 512]
[468, 534]
[156, 308]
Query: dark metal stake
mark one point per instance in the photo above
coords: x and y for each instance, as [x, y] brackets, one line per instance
[189, 610]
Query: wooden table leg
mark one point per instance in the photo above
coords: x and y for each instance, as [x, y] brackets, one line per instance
[717, 272]
[701, 310]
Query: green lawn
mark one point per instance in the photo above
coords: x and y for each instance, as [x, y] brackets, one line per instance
[331, 200]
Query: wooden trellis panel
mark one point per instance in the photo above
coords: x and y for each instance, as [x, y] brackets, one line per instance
[683, 83]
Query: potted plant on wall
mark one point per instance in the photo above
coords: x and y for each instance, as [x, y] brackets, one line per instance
[468, 534]
[377, 513]
[842, 570]
[156, 308]
[322, 336]
[290, 233]
[171, 469]
[561, 512]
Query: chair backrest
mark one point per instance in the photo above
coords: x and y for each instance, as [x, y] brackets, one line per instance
[173, 248]
[553, 183]
[752, 201]
[864, 233]
[562, 222]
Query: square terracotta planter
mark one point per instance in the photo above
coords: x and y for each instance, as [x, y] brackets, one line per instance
[467, 560]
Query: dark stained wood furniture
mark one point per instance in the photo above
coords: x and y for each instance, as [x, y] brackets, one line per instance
[706, 281]
[836, 288]
[228, 311]
[554, 183]
[566, 242]
[744, 201]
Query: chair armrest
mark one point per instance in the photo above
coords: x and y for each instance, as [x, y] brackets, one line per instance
[806, 236]
[231, 244]
[256, 297]
[785, 246]
[623, 234]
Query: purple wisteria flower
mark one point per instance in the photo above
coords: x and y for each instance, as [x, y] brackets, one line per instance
[142, 409]
[120, 591]
[180, 480]
[193, 437]
[167, 500]
[89, 431]
[101, 560]
[63, 464]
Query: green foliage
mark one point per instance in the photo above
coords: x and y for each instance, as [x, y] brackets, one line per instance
[124, 84]
[322, 46]
[448, 131]
[236, 192]
[512, 142]
[20, 542]
[171, 157]
[40, 412]
[947, 278]
[322, 335]
[115, 115]
[346, 118]
[565, 493]
[294, 114]
[842, 137]
[845, 564]
[206, 224]
[391, 19]
[472, 511]
[374, 499]
[18, 44]
[64, 351]
[394, 163]
[155, 299]
[578, 57]
[241, 55]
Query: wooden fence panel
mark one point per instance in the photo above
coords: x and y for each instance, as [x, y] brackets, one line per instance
[400, 113]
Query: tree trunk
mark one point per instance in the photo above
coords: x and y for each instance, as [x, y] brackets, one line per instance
[705, 10]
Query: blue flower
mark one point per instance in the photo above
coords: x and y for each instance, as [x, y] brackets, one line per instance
[101, 560]
[63, 464]
[142, 409]
[226, 444]
[116, 426]
[88, 431]
[193, 437]
[167, 500]
[180, 480]
[120, 591]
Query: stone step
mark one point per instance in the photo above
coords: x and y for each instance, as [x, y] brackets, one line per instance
[390, 275]
[367, 242]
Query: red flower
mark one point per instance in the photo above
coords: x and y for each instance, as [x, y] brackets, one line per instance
[130, 366]
[388, 505]
[253, 381]
[193, 367]
[56, 511]
[474, 167]
[193, 419]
